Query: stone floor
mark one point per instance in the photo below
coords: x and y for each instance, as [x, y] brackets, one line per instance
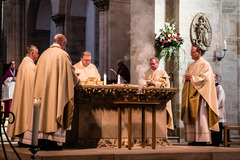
[174, 152]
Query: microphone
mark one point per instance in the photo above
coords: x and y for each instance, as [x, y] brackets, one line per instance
[113, 71]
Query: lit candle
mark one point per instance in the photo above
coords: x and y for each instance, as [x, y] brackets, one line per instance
[2, 108]
[118, 79]
[36, 114]
[105, 79]
[225, 44]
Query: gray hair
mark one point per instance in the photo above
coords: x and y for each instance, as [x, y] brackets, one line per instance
[156, 59]
[85, 53]
[30, 48]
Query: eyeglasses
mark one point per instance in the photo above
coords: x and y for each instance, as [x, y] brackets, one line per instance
[194, 52]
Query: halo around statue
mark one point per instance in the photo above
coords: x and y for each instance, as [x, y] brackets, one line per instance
[201, 31]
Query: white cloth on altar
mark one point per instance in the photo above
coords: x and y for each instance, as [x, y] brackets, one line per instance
[8, 89]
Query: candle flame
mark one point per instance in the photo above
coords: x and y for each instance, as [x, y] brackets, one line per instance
[36, 99]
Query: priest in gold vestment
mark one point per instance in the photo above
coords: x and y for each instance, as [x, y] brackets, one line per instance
[199, 110]
[54, 84]
[85, 69]
[157, 77]
[22, 102]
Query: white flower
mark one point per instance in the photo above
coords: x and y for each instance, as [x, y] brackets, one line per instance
[158, 34]
[167, 24]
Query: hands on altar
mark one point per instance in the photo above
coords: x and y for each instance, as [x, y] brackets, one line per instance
[151, 82]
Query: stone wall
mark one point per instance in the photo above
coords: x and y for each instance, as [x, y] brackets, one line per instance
[119, 37]
[238, 57]
[223, 17]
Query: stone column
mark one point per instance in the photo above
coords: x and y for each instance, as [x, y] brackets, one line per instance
[15, 30]
[1, 49]
[59, 20]
[172, 12]
[103, 6]
[238, 57]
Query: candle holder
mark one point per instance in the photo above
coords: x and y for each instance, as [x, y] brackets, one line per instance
[219, 58]
[36, 113]
[2, 122]
[34, 150]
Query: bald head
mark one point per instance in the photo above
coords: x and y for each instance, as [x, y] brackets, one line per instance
[61, 40]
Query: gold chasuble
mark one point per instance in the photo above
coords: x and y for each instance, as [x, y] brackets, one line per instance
[85, 72]
[54, 84]
[161, 78]
[201, 84]
[22, 102]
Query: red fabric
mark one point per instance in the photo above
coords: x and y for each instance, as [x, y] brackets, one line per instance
[8, 74]
[7, 107]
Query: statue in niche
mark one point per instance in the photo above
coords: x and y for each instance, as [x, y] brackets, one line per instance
[201, 32]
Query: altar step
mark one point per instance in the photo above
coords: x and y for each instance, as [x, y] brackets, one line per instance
[175, 152]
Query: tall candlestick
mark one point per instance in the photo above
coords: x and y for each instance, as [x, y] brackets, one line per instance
[118, 79]
[2, 108]
[104, 79]
[225, 44]
[36, 115]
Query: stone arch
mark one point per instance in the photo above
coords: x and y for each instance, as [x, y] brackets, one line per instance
[39, 23]
[80, 21]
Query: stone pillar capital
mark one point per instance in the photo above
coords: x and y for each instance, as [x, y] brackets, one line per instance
[59, 19]
[102, 5]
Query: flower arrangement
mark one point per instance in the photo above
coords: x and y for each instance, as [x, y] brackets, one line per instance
[167, 41]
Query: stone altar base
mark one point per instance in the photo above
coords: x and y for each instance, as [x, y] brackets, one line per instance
[103, 114]
[96, 125]
[174, 152]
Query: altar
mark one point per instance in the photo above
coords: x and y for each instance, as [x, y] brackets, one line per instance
[119, 115]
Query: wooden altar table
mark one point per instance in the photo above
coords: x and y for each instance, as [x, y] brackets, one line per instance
[153, 104]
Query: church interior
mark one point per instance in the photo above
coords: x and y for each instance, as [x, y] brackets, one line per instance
[127, 30]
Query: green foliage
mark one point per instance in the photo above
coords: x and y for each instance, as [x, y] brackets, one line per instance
[167, 42]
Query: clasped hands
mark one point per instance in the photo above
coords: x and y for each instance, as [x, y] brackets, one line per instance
[188, 77]
[14, 79]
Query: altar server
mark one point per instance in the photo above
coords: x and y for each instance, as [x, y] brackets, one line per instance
[8, 87]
